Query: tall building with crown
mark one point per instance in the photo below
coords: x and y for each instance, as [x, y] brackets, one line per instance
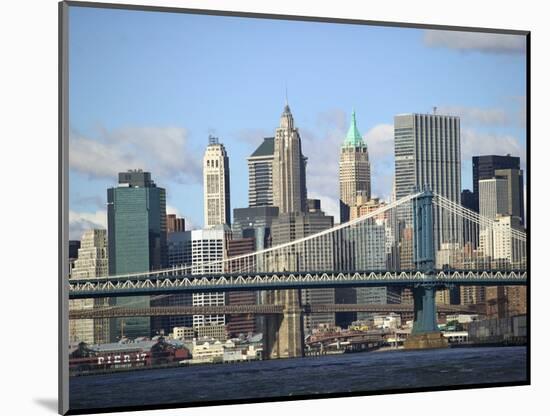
[215, 168]
[354, 170]
[289, 167]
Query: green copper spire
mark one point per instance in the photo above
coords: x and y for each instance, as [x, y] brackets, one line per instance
[353, 138]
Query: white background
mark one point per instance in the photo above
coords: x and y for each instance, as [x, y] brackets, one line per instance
[28, 236]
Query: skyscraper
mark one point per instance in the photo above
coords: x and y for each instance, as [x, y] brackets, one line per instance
[354, 170]
[215, 167]
[90, 262]
[493, 197]
[136, 217]
[260, 174]
[208, 246]
[514, 178]
[289, 167]
[427, 152]
[484, 167]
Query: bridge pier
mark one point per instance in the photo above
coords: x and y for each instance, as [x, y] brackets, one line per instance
[425, 333]
[284, 334]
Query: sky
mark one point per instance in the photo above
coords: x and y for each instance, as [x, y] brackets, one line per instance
[146, 89]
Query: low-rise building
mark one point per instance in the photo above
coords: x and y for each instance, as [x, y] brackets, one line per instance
[183, 332]
[218, 332]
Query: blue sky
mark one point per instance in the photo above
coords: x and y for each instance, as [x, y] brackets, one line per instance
[147, 88]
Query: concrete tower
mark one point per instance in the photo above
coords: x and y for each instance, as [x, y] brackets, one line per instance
[289, 167]
[354, 170]
[215, 168]
[92, 261]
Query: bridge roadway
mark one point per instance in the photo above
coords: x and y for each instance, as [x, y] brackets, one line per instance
[165, 283]
[118, 312]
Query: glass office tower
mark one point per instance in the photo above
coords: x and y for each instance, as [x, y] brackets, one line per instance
[136, 217]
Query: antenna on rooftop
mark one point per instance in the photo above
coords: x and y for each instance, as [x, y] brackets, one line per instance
[435, 110]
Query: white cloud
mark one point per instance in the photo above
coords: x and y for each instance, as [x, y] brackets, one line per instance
[323, 152]
[474, 41]
[82, 221]
[172, 210]
[164, 151]
[478, 116]
[379, 140]
[475, 143]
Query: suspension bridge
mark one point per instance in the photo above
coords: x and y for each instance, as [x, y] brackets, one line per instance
[423, 241]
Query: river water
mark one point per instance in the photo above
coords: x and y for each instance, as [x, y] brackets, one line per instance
[358, 372]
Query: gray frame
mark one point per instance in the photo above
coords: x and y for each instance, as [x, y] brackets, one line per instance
[63, 178]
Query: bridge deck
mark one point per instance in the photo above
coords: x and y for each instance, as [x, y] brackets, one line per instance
[166, 284]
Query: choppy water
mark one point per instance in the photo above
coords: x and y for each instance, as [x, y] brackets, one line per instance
[328, 374]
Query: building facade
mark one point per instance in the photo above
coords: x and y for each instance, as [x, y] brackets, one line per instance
[174, 224]
[427, 153]
[260, 174]
[136, 215]
[484, 167]
[289, 167]
[514, 181]
[202, 251]
[293, 226]
[215, 168]
[354, 170]
[91, 262]
[241, 323]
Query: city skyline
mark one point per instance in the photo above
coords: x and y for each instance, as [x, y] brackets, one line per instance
[491, 118]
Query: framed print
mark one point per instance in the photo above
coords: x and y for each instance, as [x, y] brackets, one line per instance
[272, 207]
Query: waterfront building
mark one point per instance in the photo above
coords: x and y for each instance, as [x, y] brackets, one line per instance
[289, 167]
[136, 215]
[183, 332]
[389, 321]
[354, 170]
[91, 261]
[260, 174]
[484, 167]
[215, 168]
[215, 331]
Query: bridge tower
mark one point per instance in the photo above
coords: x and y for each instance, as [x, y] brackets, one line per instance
[425, 333]
[284, 333]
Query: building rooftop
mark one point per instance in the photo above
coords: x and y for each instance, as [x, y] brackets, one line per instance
[266, 148]
[353, 138]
